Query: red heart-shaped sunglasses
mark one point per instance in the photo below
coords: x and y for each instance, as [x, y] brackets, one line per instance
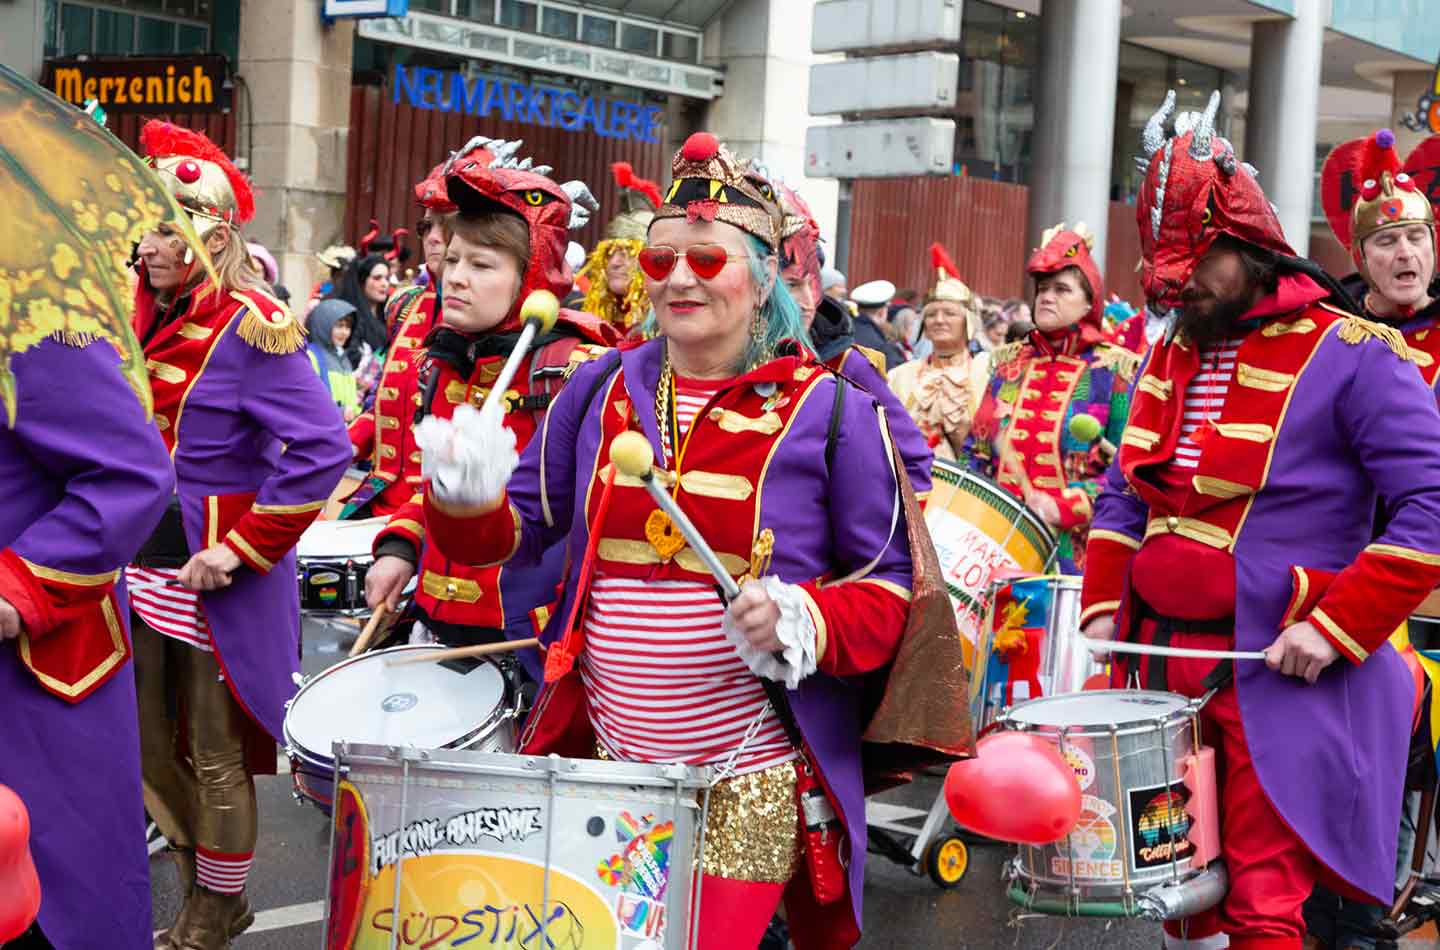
[705, 260]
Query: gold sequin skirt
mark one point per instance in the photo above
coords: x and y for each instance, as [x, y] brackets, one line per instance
[752, 829]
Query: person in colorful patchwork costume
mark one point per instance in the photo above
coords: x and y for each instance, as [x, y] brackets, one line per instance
[791, 484]
[1025, 433]
[513, 219]
[86, 477]
[831, 334]
[1268, 427]
[257, 445]
[383, 434]
[617, 288]
[1379, 212]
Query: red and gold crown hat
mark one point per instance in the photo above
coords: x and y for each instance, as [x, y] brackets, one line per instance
[1389, 198]
[711, 184]
[201, 177]
[949, 287]
[1062, 247]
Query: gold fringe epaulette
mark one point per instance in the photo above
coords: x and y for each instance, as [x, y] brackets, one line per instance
[874, 357]
[1355, 330]
[74, 337]
[271, 329]
[1122, 362]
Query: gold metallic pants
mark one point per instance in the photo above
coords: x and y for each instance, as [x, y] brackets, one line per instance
[198, 794]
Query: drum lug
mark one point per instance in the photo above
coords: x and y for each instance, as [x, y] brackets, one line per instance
[408, 753]
[299, 679]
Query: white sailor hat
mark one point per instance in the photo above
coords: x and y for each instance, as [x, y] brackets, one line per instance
[875, 293]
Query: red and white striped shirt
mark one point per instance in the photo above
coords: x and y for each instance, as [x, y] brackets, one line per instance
[1205, 397]
[663, 683]
[170, 609]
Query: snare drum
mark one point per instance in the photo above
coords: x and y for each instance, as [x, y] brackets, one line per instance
[519, 851]
[1040, 650]
[1129, 749]
[979, 530]
[331, 561]
[462, 704]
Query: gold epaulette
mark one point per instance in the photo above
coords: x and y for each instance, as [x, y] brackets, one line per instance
[584, 353]
[875, 357]
[1122, 362]
[1355, 330]
[270, 328]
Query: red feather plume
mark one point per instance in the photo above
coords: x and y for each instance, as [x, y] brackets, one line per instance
[940, 260]
[163, 140]
[368, 237]
[625, 177]
[1378, 156]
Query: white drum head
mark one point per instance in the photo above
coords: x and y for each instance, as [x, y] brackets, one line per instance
[1101, 707]
[421, 704]
[339, 539]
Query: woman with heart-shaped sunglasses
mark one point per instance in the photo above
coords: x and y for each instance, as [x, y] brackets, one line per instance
[788, 473]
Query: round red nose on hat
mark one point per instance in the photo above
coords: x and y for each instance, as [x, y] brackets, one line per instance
[700, 147]
[188, 172]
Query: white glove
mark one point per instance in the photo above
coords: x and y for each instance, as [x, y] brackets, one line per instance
[795, 630]
[467, 458]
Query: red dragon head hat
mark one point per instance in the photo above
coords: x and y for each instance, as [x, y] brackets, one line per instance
[1195, 190]
[486, 176]
[1062, 247]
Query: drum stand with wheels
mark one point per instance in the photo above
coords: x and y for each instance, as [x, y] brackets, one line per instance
[934, 847]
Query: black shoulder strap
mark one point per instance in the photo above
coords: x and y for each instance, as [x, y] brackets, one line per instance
[837, 410]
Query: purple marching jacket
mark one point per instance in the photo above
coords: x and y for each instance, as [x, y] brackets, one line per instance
[1356, 426]
[86, 480]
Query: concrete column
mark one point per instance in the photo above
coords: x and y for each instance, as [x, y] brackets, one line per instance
[1285, 59]
[1075, 117]
[1408, 87]
[298, 74]
[22, 36]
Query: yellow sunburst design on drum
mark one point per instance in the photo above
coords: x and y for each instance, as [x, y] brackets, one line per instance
[462, 899]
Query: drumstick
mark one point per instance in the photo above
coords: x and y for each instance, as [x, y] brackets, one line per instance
[1151, 649]
[458, 653]
[538, 315]
[362, 642]
[632, 455]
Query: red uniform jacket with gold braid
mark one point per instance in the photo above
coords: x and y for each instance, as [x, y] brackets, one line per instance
[493, 598]
[1321, 423]
[384, 434]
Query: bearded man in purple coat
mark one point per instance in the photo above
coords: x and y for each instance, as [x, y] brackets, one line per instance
[1265, 430]
[85, 478]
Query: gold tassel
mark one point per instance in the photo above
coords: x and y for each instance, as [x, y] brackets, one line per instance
[280, 335]
[1355, 330]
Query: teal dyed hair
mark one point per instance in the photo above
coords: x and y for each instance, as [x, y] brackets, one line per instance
[783, 319]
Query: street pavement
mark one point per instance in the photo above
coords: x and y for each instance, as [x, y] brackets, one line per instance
[903, 909]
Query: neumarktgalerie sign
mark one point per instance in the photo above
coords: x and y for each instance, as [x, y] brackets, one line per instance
[141, 84]
[449, 91]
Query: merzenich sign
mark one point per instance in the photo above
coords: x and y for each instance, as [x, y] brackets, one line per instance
[450, 91]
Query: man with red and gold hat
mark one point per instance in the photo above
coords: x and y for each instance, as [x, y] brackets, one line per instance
[515, 217]
[1268, 428]
[1024, 434]
[383, 433]
[257, 445]
[617, 288]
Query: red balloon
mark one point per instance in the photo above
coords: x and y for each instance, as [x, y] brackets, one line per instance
[1017, 788]
[18, 880]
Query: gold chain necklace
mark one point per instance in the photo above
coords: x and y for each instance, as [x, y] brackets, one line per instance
[663, 393]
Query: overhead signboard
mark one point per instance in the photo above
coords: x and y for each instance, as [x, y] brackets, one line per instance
[364, 9]
[141, 83]
[911, 84]
[855, 26]
[883, 149]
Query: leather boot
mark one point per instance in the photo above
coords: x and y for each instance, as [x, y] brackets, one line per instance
[212, 920]
[185, 868]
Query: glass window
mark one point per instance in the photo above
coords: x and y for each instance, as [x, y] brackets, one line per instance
[681, 47]
[193, 39]
[559, 23]
[597, 30]
[155, 36]
[639, 39]
[481, 11]
[517, 15]
[114, 33]
[431, 6]
[75, 26]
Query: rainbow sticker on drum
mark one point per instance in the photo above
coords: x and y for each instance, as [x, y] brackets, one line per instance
[1090, 850]
[1160, 826]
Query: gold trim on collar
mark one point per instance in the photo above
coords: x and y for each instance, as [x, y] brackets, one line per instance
[1409, 554]
[1105, 534]
[1161, 389]
[1246, 431]
[1219, 487]
[1145, 439]
[717, 485]
[730, 421]
[1302, 326]
[1265, 380]
[1191, 528]
[69, 577]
